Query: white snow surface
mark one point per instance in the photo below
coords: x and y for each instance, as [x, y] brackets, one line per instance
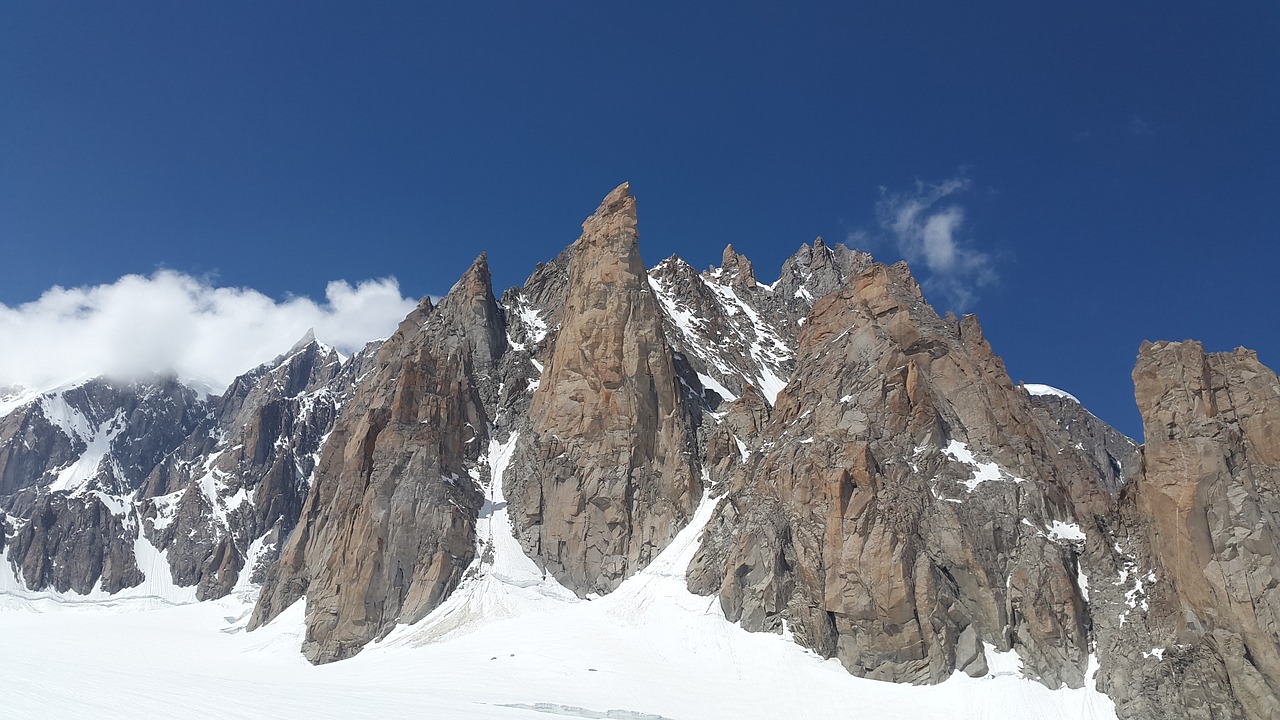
[1034, 389]
[1059, 530]
[76, 425]
[508, 644]
[12, 398]
[982, 471]
[711, 383]
[533, 321]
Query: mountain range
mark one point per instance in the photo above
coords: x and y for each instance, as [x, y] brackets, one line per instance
[863, 476]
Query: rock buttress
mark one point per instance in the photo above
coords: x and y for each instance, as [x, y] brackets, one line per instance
[605, 475]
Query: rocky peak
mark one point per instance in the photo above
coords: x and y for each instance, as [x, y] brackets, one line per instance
[469, 319]
[387, 528]
[863, 509]
[101, 434]
[1116, 458]
[613, 224]
[307, 338]
[814, 271]
[737, 268]
[885, 494]
[604, 476]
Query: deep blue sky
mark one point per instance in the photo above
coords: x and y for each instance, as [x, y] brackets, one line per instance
[1123, 158]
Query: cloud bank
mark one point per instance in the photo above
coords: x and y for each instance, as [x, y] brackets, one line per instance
[173, 322]
[926, 226]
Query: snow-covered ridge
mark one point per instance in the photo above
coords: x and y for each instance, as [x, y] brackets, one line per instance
[1036, 389]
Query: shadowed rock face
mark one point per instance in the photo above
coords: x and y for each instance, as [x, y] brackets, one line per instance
[388, 526]
[75, 543]
[68, 462]
[1115, 457]
[264, 444]
[135, 424]
[606, 476]
[1209, 496]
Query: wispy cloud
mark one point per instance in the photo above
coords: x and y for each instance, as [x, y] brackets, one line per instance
[926, 225]
[173, 322]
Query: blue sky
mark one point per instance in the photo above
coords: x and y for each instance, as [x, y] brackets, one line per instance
[1102, 173]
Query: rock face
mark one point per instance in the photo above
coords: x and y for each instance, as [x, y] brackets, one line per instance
[1115, 457]
[606, 475]
[243, 480]
[901, 505]
[100, 436]
[388, 526]
[735, 331]
[69, 461]
[1209, 499]
[75, 543]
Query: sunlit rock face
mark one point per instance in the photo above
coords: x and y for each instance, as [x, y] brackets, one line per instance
[607, 475]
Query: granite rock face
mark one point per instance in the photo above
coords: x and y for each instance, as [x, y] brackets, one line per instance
[99, 435]
[221, 504]
[388, 526]
[605, 475]
[899, 506]
[74, 544]
[70, 462]
[1209, 502]
[735, 331]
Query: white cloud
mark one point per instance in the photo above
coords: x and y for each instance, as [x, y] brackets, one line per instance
[926, 226]
[173, 322]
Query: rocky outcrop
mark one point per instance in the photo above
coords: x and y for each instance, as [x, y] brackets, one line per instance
[719, 325]
[387, 528]
[901, 506]
[605, 475]
[213, 483]
[735, 331]
[813, 272]
[1208, 501]
[737, 269]
[885, 494]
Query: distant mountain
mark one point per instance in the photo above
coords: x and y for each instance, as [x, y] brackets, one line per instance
[99, 476]
[874, 485]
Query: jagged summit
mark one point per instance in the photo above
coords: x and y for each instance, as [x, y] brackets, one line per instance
[307, 338]
[613, 223]
[737, 268]
[603, 476]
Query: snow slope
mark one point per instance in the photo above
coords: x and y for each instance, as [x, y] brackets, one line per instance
[509, 644]
[1037, 389]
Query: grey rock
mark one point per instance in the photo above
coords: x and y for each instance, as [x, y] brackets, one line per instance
[1115, 457]
[70, 544]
